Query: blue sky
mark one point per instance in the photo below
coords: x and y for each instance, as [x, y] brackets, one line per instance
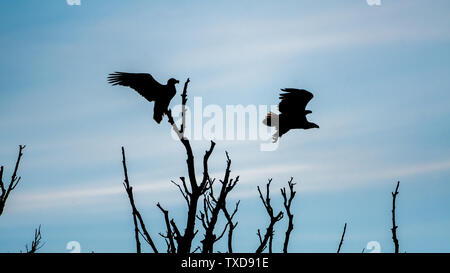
[381, 86]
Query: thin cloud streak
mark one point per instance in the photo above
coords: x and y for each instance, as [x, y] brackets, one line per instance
[252, 177]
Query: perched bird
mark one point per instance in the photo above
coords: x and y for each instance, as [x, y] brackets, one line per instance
[292, 112]
[149, 88]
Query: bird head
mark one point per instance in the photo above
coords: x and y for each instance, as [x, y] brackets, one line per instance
[172, 81]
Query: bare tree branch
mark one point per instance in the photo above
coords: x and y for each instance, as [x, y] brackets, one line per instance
[184, 186]
[136, 234]
[185, 241]
[261, 241]
[222, 233]
[394, 226]
[342, 238]
[287, 202]
[210, 221]
[13, 182]
[136, 214]
[170, 234]
[219, 205]
[231, 225]
[273, 220]
[183, 106]
[36, 243]
[183, 193]
[176, 230]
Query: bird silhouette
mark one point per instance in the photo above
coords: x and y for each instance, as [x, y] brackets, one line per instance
[149, 88]
[292, 112]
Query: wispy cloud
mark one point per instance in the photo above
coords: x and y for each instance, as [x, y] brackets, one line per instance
[313, 178]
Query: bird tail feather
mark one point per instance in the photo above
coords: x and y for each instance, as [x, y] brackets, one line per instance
[271, 119]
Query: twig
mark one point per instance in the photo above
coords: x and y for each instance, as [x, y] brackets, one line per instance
[394, 226]
[342, 238]
[184, 193]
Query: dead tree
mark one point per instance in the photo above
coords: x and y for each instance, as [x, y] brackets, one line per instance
[13, 182]
[192, 190]
[195, 189]
[268, 237]
[394, 226]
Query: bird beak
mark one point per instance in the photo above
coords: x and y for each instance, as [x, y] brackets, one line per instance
[177, 81]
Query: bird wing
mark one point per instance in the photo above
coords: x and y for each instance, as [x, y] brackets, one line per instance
[294, 100]
[143, 83]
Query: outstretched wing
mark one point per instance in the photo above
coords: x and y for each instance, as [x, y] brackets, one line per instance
[143, 83]
[294, 101]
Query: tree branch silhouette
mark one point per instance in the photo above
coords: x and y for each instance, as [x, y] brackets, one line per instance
[231, 225]
[170, 234]
[394, 226]
[13, 182]
[268, 237]
[36, 243]
[287, 202]
[5, 192]
[197, 190]
[183, 106]
[136, 214]
[212, 207]
[342, 238]
[184, 192]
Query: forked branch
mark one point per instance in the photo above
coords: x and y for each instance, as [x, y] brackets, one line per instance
[213, 205]
[196, 189]
[170, 234]
[231, 224]
[268, 237]
[6, 190]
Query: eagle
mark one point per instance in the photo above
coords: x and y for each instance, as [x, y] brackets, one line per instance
[149, 88]
[292, 112]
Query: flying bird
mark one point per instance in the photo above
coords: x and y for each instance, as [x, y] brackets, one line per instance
[149, 88]
[292, 112]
